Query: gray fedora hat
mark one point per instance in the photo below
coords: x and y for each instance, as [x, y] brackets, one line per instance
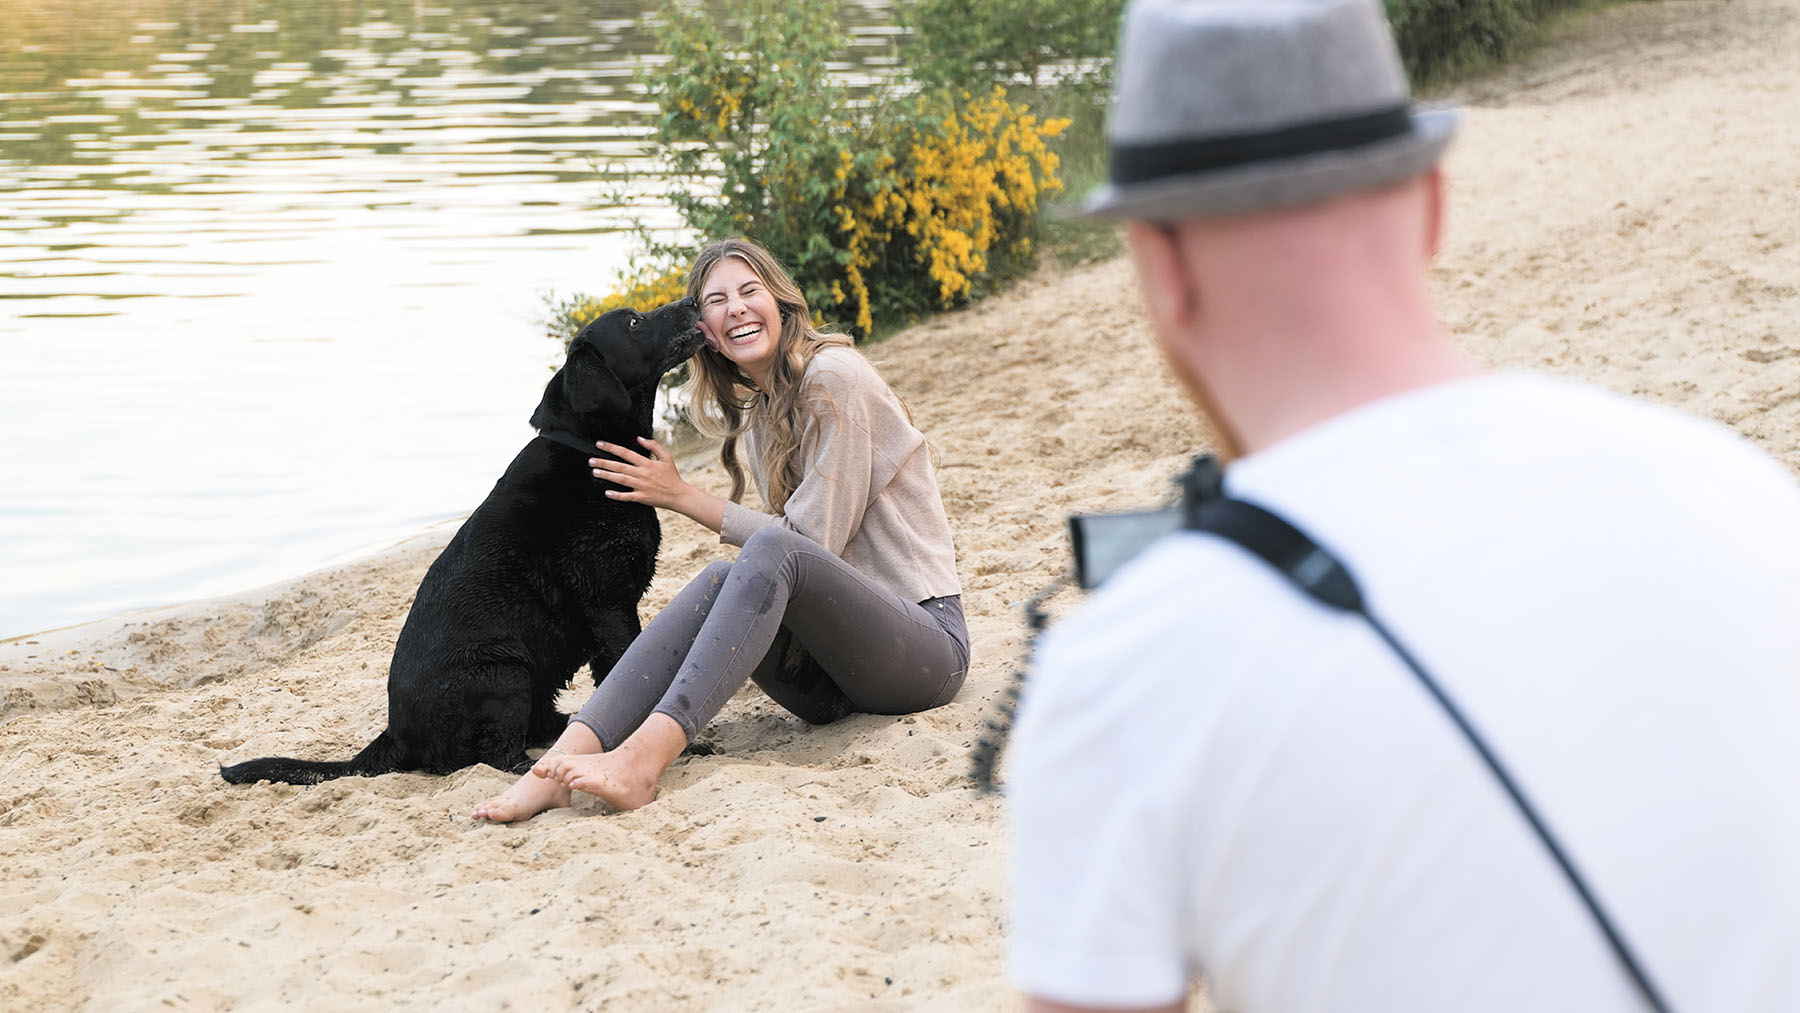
[1224, 107]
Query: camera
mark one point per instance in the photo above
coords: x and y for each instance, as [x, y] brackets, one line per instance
[1102, 543]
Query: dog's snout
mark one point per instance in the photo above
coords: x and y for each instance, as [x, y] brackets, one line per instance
[690, 303]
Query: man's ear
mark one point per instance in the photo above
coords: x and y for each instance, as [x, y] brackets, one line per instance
[1437, 198]
[1161, 274]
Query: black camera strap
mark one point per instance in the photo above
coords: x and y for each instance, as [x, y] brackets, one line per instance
[1322, 577]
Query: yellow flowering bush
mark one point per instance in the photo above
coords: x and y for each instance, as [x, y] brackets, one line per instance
[949, 205]
[971, 189]
[568, 316]
[883, 206]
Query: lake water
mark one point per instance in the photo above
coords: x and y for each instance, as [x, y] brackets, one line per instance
[273, 274]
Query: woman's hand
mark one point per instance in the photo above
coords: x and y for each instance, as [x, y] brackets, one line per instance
[655, 480]
[651, 479]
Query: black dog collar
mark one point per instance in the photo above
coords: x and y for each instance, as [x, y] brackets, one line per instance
[586, 446]
[571, 441]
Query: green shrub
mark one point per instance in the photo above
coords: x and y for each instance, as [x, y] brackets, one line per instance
[971, 44]
[1056, 57]
[1439, 39]
[881, 208]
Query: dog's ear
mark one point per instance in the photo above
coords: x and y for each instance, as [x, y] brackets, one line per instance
[594, 389]
[582, 388]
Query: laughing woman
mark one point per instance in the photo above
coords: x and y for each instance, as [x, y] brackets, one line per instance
[843, 600]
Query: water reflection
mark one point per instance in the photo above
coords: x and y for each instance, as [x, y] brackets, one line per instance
[256, 127]
[271, 272]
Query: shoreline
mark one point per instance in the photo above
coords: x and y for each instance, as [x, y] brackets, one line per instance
[104, 661]
[367, 553]
[110, 658]
[1621, 214]
[688, 449]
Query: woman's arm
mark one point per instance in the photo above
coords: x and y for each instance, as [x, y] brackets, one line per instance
[838, 454]
[841, 472]
[654, 479]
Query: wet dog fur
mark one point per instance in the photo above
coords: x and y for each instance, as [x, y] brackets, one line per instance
[543, 577]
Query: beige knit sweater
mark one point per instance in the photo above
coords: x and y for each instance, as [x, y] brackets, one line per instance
[867, 491]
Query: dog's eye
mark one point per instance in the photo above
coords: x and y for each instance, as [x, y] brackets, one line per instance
[632, 325]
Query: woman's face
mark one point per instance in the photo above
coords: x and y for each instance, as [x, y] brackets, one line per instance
[741, 318]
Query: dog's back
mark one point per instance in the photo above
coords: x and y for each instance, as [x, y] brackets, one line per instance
[543, 577]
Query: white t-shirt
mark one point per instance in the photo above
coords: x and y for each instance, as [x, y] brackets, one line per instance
[1211, 774]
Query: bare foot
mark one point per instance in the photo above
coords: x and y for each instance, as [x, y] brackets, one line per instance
[613, 778]
[528, 796]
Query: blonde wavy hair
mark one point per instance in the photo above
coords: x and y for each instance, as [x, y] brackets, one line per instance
[723, 401]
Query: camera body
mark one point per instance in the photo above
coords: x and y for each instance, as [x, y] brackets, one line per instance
[1102, 543]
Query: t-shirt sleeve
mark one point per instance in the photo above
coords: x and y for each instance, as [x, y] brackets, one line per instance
[1097, 878]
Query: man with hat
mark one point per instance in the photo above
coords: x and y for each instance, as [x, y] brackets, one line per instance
[1563, 769]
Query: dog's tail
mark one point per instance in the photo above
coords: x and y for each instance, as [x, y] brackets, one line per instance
[383, 756]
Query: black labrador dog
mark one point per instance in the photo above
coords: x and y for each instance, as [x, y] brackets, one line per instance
[544, 576]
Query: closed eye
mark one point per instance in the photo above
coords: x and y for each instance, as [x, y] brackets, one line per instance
[748, 288]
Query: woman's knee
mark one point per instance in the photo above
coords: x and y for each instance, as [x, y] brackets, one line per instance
[714, 575]
[768, 547]
[773, 537]
[703, 590]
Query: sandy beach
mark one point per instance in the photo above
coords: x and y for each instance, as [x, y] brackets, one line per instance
[1623, 211]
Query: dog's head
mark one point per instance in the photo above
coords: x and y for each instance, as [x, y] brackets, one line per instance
[613, 368]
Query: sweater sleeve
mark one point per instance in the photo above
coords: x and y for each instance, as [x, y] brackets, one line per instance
[838, 452]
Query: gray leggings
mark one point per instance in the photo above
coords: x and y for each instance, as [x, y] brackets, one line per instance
[817, 636]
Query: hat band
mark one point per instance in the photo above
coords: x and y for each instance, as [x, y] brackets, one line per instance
[1143, 163]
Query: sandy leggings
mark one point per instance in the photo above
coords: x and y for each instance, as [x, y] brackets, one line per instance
[817, 636]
